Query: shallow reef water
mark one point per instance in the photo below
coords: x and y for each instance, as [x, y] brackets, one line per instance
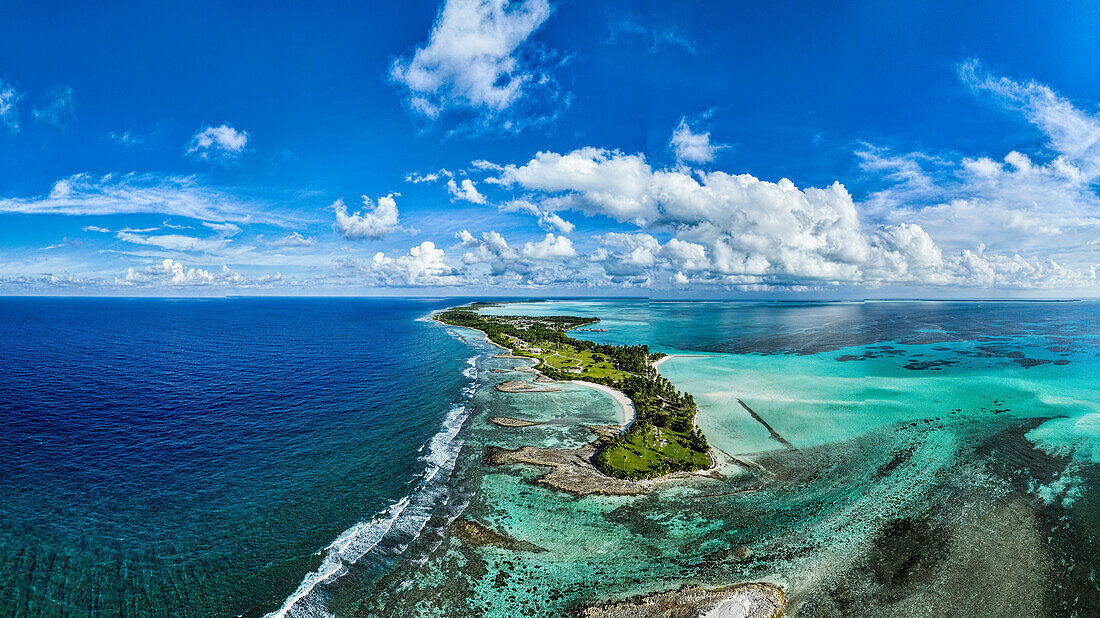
[942, 461]
[240, 457]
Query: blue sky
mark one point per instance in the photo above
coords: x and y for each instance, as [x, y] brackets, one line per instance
[540, 147]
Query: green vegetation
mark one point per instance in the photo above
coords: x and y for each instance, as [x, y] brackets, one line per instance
[663, 438]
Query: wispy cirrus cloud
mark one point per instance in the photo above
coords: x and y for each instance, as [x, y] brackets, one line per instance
[658, 36]
[9, 106]
[125, 138]
[223, 229]
[1043, 204]
[59, 110]
[179, 195]
[1073, 133]
[294, 239]
[174, 242]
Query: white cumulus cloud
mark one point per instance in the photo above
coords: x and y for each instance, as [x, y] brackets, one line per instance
[692, 147]
[552, 221]
[466, 190]
[373, 221]
[169, 272]
[173, 273]
[738, 229]
[423, 265]
[220, 142]
[474, 58]
[549, 247]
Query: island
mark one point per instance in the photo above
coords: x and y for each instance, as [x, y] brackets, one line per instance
[662, 438]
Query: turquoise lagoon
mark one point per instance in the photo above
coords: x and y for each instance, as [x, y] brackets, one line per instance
[943, 461]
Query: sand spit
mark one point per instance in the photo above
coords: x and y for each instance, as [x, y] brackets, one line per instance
[754, 600]
[660, 361]
[507, 421]
[477, 535]
[519, 386]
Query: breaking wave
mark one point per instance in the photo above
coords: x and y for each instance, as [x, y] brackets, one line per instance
[386, 535]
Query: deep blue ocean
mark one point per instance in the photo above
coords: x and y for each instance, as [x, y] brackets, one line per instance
[307, 457]
[192, 457]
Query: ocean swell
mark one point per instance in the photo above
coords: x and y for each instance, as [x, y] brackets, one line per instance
[386, 535]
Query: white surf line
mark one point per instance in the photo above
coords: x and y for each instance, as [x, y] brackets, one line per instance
[337, 553]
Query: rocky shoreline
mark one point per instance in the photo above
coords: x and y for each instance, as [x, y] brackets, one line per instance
[571, 470]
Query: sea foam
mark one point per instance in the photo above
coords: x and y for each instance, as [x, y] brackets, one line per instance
[393, 529]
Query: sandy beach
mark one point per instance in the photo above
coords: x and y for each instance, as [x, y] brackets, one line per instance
[660, 361]
[626, 406]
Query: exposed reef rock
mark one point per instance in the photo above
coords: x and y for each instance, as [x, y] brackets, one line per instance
[755, 600]
[571, 470]
[519, 386]
[477, 535]
[507, 421]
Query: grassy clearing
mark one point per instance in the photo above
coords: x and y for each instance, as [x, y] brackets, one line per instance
[650, 452]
